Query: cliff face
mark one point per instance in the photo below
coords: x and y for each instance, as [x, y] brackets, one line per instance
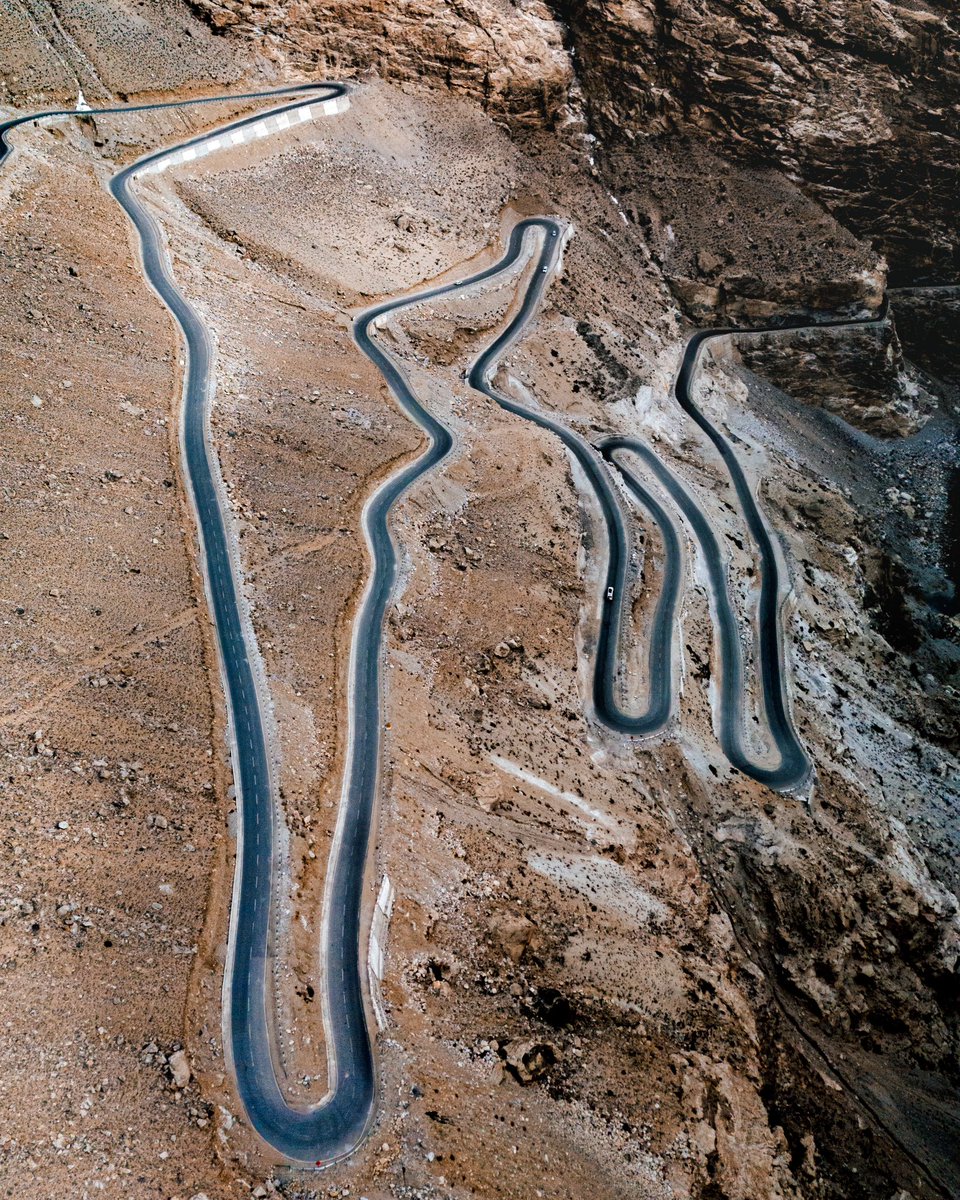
[856, 100]
[510, 56]
[860, 375]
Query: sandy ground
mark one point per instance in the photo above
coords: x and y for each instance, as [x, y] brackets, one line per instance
[600, 952]
[112, 817]
[111, 50]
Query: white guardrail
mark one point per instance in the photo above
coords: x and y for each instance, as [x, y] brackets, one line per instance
[276, 123]
[377, 947]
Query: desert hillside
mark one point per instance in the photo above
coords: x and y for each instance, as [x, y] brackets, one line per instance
[659, 898]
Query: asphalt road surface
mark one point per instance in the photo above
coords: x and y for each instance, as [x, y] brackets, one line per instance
[332, 1128]
[793, 769]
[660, 669]
[12, 123]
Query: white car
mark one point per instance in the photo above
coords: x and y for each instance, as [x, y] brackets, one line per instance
[609, 593]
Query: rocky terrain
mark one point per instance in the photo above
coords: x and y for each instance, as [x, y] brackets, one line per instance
[616, 969]
[858, 101]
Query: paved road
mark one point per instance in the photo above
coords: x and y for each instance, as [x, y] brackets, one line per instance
[6, 127]
[660, 668]
[793, 769]
[332, 1128]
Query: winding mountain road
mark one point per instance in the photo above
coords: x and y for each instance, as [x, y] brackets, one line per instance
[660, 668]
[332, 1128]
[793, 769]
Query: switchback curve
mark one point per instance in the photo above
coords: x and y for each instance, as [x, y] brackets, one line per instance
[794, 767]
[333, 1127]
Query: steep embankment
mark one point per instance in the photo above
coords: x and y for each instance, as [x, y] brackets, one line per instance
[857, 101]
[511, 58]
[774, 1013]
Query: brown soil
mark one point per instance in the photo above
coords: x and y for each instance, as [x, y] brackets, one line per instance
[615, 969]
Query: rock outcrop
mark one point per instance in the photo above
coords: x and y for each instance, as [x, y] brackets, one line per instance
[510, 56]
[859, 375]
[857, 100]
[928, 322]
[528, 1060]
